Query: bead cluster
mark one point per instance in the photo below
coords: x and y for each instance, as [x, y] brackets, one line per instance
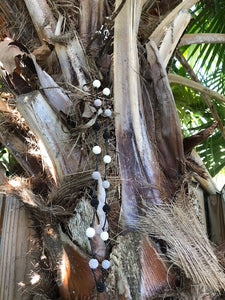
[90, 232]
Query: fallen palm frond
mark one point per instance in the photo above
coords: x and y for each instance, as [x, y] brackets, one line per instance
[188, 244]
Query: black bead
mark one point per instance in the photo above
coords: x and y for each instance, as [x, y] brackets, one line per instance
[94, 202]
[96, 126]
[106, 135]
[100, 287]
[106, 208]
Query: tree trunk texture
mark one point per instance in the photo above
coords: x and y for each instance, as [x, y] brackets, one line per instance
[143, 170]
[149, 149]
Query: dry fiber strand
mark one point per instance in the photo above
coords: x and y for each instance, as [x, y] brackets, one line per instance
[188, 245]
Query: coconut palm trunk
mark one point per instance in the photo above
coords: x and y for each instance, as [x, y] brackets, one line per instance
[50, 54]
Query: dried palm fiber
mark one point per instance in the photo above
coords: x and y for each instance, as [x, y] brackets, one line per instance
[18, 23]
[189, 291]
[188, 244]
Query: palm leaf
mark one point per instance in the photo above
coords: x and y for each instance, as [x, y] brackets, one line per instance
[208, 62]
[195, 116]
[212, 152]
[208, 18]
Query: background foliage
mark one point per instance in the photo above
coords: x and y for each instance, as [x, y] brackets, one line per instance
[207, 60]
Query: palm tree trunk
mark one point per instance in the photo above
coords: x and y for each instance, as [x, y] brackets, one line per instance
[149, 148]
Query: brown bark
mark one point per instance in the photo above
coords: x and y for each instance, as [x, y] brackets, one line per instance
[168, 133]
[191, 141]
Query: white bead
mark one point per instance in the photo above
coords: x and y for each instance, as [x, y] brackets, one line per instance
[90, 232]
[107, 113]
[106, 184]
[96, 175]
[104, 235]
[106, 264]
[106, 91]
[101, 198]
[97, 102]
[93, 263]
[107, 159]
[96, 83]
[96, 150]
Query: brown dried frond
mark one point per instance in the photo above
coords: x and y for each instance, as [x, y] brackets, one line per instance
[41, 213]
[75, 186]
[188, 245]
[148, 24]
[12, 121]
[195, 167]
[68, 193]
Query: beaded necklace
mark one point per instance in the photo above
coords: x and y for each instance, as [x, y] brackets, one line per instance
[99, 184]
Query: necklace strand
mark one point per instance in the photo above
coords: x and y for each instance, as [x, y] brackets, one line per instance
[105, 184]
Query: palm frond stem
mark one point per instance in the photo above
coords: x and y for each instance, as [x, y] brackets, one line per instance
[174, 78]
[200, 38]
[206, 97]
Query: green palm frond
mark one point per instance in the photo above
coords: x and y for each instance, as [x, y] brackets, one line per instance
[208, 18]
[195, 116]
[216, 81]
[212, 152]
[208, 62]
